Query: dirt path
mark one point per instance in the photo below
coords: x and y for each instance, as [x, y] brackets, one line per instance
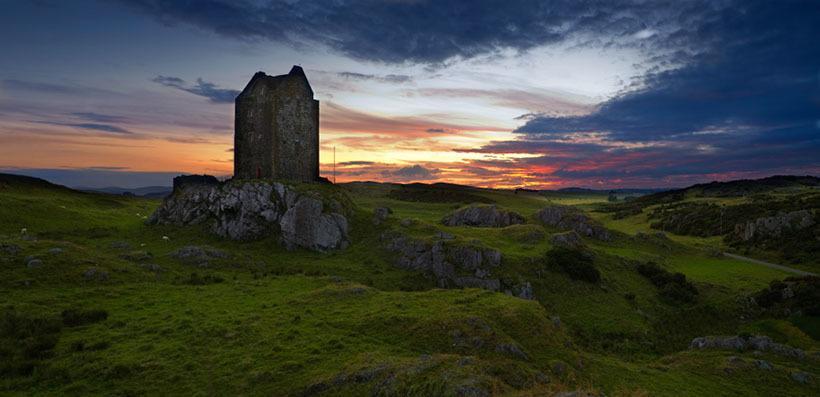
[771, 265]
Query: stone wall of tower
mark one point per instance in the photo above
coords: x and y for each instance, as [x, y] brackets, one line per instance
[296, 133]
[253, 136]
[277, 129]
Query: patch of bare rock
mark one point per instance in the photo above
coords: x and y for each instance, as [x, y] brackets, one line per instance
[565, 217]
[453, 264]
[745, 343]
[483, 216]
[774, 226]
[248, 210]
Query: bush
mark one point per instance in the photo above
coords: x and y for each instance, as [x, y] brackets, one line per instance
[78, 317]
[578, 265]
[671, 286]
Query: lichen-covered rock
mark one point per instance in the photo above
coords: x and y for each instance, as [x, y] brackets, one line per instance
[570, 218]
[483, 216]
[252, 210]
[569, 239]
[774, 226]
[450, 263]
[740, 343]
[305, 225]
[197, 255]
[381, 214]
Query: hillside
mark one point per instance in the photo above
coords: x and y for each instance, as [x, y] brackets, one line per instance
[775, 218]
[96, 302]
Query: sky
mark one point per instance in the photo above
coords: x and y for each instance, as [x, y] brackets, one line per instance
[537, 94]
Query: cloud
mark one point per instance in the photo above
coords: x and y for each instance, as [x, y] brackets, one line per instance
[201, 88]
[431, 32]
[388, 78]
[97, 117]
[107, 128]
[414, 172]
[349, 163]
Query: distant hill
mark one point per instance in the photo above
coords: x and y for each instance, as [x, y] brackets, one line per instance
[581, 190]
[737, 188]
[147, 191]
[13, 180]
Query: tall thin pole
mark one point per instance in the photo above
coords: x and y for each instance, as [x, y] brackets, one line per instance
[334, 165]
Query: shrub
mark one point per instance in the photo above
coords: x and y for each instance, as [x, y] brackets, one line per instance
[78, 317]
[671, 286]
[578, 265]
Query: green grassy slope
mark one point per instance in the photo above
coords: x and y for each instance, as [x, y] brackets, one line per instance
[267, 321]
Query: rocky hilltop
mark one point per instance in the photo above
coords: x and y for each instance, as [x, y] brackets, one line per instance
[249, 210]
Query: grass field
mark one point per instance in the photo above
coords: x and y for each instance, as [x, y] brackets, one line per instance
[267, 321]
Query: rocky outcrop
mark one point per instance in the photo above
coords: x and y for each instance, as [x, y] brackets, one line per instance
[740, 343]
[569, 239]
[774, 226]
[483, 216]
[252, 210]
[450, 263]
[570, 218]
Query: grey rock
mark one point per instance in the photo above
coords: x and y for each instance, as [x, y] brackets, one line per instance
[764, 365]
[801, 377]
[305, 225]
[121, 245]
[137, 256]
[511, 350]
[483, 216]
[570, 218]
[523, 291]
[381, 214]
[95, 274]
[252, 210]
[446, 261]
[10, 249]
[441, 235]
[55, 251]
[196, 255]
[774, 226]
[407, 222]
[34, 263]
[757, 342]
[556, 321]
[569, 239]
[153, 267]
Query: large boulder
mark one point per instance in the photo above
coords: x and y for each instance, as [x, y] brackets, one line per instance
[306, 225]
[483, 216]
[774, 226]
[450, 263]
[248, 210]
[570, 218]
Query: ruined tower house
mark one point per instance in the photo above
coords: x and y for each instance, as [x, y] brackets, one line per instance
[276, 132]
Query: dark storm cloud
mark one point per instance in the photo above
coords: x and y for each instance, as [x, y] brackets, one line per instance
[201, 88]
[429, 31]
[749, 101]
[758, 75]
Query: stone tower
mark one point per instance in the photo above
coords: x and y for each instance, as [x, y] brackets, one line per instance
[276, 132]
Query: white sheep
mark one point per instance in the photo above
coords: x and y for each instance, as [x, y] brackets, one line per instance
[166, 238]
[23, 230]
